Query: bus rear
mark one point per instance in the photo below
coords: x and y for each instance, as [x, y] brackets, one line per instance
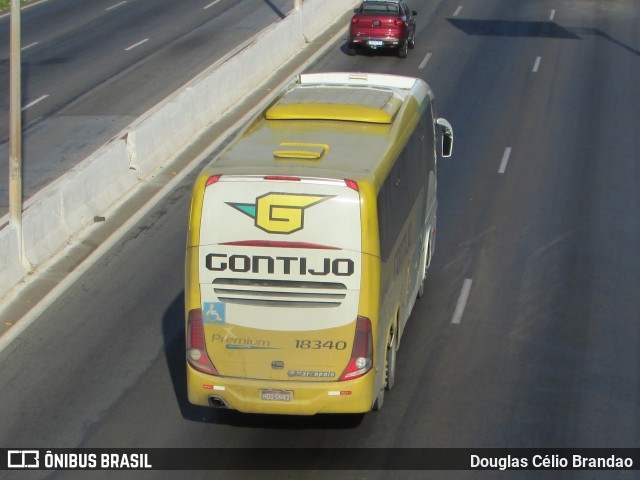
[274, 267]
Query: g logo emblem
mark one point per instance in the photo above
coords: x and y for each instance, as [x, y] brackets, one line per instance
[279, 212]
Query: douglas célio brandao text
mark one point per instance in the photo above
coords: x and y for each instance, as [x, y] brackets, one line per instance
[553, 461]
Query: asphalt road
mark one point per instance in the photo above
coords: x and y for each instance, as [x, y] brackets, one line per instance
[538, 222]
[99, 65]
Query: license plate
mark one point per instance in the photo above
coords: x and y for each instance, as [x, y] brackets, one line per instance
[375, 43]
[276, 395]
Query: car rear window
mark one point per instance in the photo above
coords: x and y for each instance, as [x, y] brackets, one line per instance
[381, 8]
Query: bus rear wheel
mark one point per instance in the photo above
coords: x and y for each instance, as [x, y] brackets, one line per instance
[389, 367]
[390, 361]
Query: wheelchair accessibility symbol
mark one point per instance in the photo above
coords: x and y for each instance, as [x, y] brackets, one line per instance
[214, 312]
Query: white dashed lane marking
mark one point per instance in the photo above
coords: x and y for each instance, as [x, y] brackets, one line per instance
[462, 301]
[33, 102]
[536, 65]
[136, 44]
[505, 160]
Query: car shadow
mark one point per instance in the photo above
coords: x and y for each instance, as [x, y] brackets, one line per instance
[175, 353]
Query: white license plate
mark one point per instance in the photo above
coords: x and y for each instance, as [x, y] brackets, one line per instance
[276, 395]
[375, 43]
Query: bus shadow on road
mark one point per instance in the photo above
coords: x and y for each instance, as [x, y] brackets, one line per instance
[549, 29]
[509, 28]
[175, 354]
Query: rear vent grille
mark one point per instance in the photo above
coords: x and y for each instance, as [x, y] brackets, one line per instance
[279, 293]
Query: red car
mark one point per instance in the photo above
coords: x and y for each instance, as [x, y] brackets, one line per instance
[383, 24]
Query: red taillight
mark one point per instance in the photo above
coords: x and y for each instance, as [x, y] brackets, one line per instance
[354, 20]
[212, 179]
[352, 184]
[362, 352]
[196, 344]
[399, 22]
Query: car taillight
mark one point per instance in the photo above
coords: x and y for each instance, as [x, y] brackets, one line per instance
[362, 351]
[399, 22]
[354, 20]
[196, 348]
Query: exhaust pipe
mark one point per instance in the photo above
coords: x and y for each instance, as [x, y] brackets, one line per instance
[217, 402]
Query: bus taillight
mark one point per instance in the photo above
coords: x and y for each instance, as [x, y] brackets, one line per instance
[212, 179]
[352, 184]
[362, 352]
[196, 348]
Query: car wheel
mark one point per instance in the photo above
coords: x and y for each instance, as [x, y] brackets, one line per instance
[403, 50]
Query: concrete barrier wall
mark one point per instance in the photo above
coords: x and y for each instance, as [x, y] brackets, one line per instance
[111, 178]
[11, 269]
[173, 126]
[69, 204]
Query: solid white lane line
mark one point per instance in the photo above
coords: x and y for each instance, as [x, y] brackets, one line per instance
[424, 62]
[505, 160]
[136, 44]
[462, 301]
[536, 65]
[552, 16]
[211, 4]
[29, 46]
[457, 12]
[32, 103]
[115, 6]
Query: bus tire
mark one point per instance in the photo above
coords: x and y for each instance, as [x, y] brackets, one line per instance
[377, 405]
[389, 367]
[426, 260]
[390, 361]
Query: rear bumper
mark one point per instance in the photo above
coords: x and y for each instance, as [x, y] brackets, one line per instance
[309, 398]
[374, 42]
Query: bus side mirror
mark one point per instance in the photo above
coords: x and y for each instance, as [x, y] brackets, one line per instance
[447, 136]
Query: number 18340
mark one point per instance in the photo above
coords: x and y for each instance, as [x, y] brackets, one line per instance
[319, 344]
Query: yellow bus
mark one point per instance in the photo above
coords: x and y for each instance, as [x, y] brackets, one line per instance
[309, 239]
